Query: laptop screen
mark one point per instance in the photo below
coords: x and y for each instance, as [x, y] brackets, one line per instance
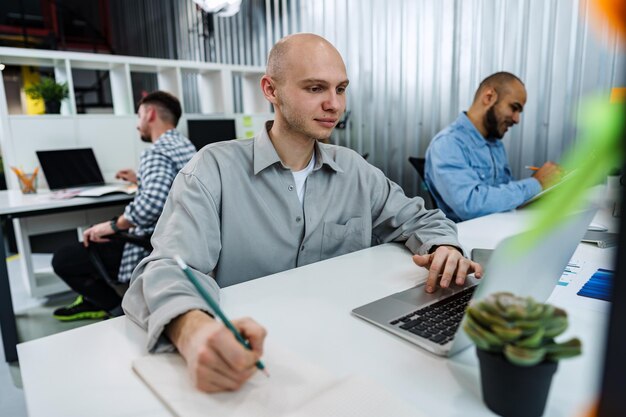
[67, 168]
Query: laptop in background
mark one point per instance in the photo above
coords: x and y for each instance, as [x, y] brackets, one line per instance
[76, 173]
[433, 321]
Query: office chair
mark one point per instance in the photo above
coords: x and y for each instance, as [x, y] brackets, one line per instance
[418, 164]
[119, 287]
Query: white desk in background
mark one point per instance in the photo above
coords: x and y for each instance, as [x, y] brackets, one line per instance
[307, 310]
[36, 214]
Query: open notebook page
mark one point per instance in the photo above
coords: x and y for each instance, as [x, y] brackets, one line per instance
[295, 388]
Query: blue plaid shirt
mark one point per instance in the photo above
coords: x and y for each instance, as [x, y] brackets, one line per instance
[470, 176]
[158, 165]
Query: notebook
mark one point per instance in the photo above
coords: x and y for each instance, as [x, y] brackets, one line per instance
[295, 388]
[433, 321]
[76, 173]
[553, 187]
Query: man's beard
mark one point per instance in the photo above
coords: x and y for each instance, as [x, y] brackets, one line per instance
[491, 124]
[146, 139]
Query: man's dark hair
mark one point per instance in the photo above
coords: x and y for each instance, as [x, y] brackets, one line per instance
[498, 81]
[168, 106]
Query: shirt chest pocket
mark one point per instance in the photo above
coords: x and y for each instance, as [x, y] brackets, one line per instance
[339, 239]
[485, 172]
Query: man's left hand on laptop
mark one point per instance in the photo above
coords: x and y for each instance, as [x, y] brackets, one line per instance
[446, 262]
[127, 175]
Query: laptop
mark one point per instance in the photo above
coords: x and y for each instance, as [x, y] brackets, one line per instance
[75, 172]
[433, 321]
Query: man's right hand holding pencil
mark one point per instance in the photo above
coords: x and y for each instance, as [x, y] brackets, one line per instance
[215, 359]
[548, 174]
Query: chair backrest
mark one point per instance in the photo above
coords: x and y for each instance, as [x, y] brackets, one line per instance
[418, 164]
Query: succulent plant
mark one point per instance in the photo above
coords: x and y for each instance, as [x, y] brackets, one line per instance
[521, 328]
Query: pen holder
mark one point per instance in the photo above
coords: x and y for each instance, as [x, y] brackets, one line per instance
[28, 182]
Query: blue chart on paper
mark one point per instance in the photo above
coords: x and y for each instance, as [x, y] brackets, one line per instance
[599, 285]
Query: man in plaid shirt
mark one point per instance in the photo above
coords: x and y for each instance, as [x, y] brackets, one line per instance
[158, 115]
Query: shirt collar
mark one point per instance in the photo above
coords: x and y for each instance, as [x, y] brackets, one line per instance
[168, 134]
[265, 154]
[475, 136]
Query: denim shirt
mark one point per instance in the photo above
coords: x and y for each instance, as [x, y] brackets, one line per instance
[470, 176]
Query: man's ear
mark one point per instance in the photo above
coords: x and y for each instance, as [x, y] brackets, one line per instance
[268, 86]
[490, 96]
[152, 114]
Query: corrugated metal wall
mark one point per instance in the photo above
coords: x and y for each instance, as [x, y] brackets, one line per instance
[413, 64]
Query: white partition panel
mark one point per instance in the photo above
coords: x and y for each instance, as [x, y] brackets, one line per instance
[112, 139]
[35, 133]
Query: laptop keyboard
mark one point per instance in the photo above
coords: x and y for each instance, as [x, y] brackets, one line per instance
[437, 322]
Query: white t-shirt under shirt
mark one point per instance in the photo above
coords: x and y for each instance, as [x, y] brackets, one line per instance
[300, 178]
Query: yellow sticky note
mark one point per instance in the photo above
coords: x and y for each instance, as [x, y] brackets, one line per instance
[247, 121]
[249, 133]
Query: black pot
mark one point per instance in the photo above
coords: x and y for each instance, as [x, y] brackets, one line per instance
[514, 391]
[52, 106]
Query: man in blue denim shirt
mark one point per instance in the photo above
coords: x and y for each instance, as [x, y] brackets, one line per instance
[467, 169]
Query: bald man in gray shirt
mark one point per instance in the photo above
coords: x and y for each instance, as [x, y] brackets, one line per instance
[245, 209]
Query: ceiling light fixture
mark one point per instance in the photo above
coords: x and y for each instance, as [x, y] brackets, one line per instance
[222, 8]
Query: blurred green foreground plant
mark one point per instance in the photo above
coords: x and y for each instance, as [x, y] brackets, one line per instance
[598, 150]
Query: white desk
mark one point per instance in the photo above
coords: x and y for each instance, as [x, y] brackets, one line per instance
[308, 311]
[38, 213]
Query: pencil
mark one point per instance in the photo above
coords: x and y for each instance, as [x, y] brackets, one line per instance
[532, 168]
[216, 308]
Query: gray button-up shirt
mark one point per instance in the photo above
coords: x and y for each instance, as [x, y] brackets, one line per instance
[233, 215]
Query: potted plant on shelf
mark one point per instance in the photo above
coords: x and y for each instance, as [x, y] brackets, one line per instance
[51, 92]
[518, 356]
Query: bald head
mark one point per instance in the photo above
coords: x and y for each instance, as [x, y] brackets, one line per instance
[501, 82]
[291, 49]
[306, 83]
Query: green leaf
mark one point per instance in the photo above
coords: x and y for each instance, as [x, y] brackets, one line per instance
[555, 326]
[533, 341]
[506, 334]
[524, 356]
[558, 351]
[479, 341]
[490, 338]
[485, 318]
